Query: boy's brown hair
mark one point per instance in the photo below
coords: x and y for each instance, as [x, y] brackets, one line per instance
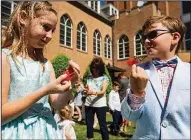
[172, 23]
[66, 113]
[116, 84]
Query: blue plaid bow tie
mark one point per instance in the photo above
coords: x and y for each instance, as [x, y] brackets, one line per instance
[160, 64]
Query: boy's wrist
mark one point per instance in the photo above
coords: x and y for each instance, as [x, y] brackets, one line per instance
[140, 94]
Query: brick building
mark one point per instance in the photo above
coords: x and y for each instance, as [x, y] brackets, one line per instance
[87, 29]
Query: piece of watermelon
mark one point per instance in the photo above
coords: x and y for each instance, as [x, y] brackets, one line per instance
[131, 61]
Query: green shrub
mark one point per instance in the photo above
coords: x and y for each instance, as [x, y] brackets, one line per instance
[59, 63]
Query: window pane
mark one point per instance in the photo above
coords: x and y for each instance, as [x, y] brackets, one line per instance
[186, 6]
[138, 53]
[68, 23]
[138, 48]
[94, 51]
[84, 48]
[188, 45]
[120, 55]
[188, 35]
[6, 4]
[5, 12]
[68, 43]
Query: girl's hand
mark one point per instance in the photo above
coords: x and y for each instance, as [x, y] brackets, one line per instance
[74, 70]
[60, 85]
[138, 80]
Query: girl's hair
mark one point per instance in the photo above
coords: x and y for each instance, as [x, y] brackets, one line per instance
[66, 113]
[14, 34]
[99, 65]
[173, 24]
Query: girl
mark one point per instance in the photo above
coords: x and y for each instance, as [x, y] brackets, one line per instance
[66, 124]
[28, 79]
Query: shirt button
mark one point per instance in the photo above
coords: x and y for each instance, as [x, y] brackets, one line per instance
[164, 124]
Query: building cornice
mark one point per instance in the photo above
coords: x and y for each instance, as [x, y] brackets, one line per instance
[91, 12]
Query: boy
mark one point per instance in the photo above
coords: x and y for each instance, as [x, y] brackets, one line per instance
[115, 107]
[159, 99]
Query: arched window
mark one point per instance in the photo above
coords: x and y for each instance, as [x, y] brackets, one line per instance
[107, 48]
[81, 37]
[7, 8]
[123, 47]
[66, 31]
[139, 49]
[97, 43]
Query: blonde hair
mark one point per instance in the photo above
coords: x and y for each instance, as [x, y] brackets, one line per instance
[172, 23]
[13, 37]
[66, 113]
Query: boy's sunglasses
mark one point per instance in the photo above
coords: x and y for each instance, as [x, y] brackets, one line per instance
[153, 34]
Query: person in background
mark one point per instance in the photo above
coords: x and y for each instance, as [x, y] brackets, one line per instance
[159, 97]
[124, 85]
[115, 108]
[66, 125]
[28, 78]
[95, 102]
[78, 98]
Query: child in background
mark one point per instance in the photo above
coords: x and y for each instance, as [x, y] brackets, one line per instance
[78, 98]
[160, 106]
[125, 122]
[115, 107]
[28, 78]
[66, 124]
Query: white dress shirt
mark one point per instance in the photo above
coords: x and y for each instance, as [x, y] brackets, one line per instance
[114, 101]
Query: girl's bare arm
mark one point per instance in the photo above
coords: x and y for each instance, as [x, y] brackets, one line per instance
[13, 109]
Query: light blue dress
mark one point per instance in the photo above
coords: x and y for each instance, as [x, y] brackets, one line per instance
[37, 122]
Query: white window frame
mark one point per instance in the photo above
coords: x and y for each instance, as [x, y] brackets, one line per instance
[66, 29]
[124, 44]
[141, 45]
[185, 18]
[108, 47]
[95, 41]
[82, 26]
[13, 4]
[94, 3]
[187, 39]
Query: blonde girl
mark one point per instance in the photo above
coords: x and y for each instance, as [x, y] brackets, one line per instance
[66, 124]
[28, 78]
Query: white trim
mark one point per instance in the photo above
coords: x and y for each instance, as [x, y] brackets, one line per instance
[141, 45]
[82, 26]
[66, 18]
[107, 47]
[185, 18]
[10, 8]
[96, 39]
[123, 43]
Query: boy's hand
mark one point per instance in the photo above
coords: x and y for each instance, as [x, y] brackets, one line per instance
[138, 80]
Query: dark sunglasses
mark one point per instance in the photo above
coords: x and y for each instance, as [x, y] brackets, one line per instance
[153, 34]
